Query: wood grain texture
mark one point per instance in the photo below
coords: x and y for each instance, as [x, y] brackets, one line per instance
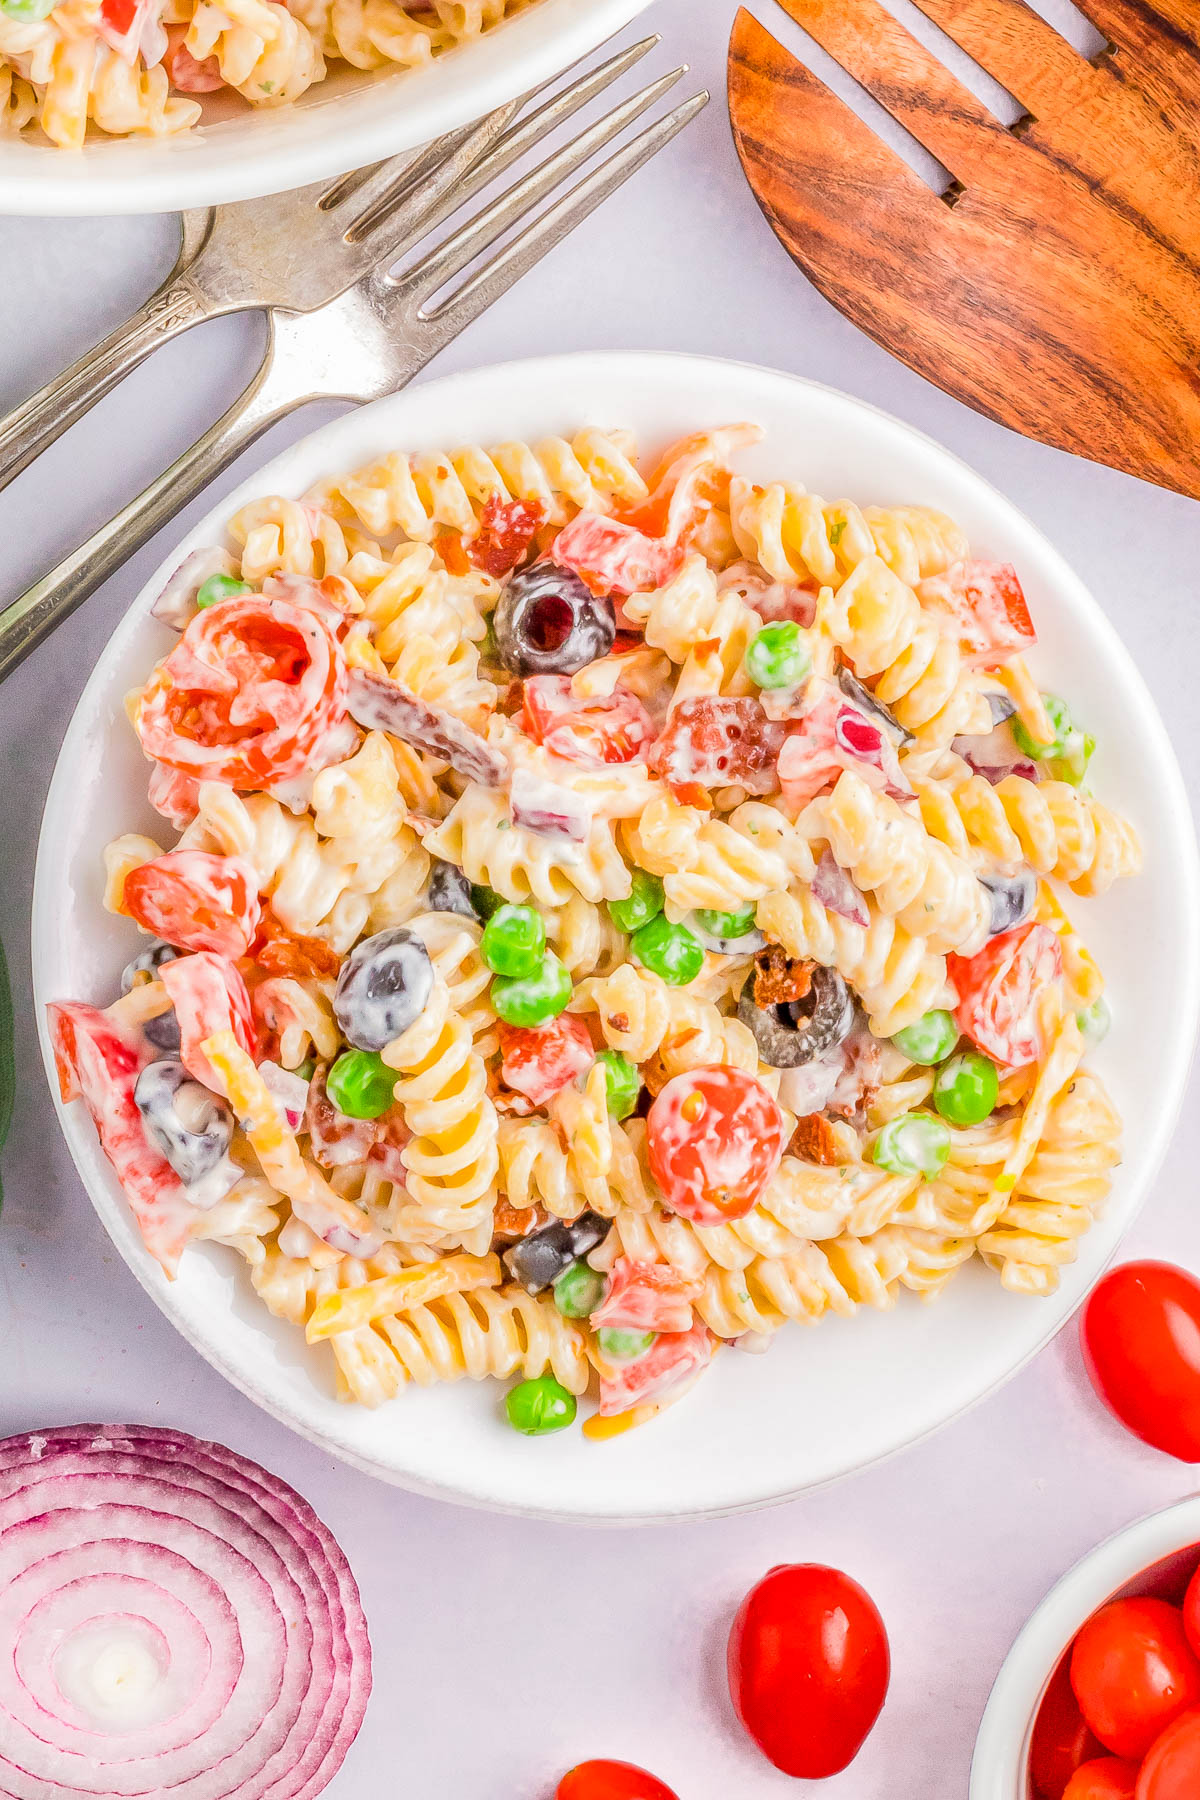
[1058, 290]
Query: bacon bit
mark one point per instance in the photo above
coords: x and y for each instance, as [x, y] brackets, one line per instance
[713, 741]
[506, 531]
[449, 546]
[514, 1222]
[813, 1140]
[512, 700]
[277, 951]
[619, 1021]
[777, 979]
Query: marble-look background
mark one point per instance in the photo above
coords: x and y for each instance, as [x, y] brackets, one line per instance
[507, 1650]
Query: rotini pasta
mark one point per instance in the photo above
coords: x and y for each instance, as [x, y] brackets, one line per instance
[526, 1000]
[78, 66]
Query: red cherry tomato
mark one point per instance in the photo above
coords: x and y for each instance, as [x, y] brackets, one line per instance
[1171, 1771]
[208, 995]
[715, 1138]
[999, 988]
[184, 71]
[1062, 1738]
[613, 558]
[1191, 1613]
[987, 602]
[1141, 1344]
[253, 693]
[537, 1060]
[608, 728]
[1108, 1778]
[808, 1668]
[1133, 1673]
[196, 901]
[611, 1781]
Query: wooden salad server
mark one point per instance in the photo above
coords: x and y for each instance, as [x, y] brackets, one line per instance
[1055, 285]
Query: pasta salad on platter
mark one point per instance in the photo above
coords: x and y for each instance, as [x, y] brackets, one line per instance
[616, 907]
[142, 67]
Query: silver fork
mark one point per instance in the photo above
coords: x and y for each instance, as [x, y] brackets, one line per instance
[297, 250]
[368, 342]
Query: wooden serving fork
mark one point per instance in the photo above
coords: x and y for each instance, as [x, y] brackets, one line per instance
[1055, 285]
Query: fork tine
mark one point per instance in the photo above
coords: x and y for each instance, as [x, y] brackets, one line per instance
[507, 150]
[896, 69]
[822, 177]
[481, 231]
[486, 285]
[421, 186]
[1161, 37]
[1017, 47]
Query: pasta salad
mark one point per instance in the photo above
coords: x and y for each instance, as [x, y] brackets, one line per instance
[139, 67]
[616, 909]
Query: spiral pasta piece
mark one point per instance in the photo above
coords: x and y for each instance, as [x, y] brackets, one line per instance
[480, 837]
[896, 976]
[689, 611]
[419, 495]
[536, 1169]
[798, 537]
[451, 1158]
[914, 878]
[1048, 824]
[264, 52]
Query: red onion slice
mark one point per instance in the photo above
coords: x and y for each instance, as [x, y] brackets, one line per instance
[182, 1624]
[833, 888]
[380, 704]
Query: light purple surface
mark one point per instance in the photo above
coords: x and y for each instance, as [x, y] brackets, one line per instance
[506, 1650]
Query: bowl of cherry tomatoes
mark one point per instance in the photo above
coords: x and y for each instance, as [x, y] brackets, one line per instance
[1099, 1697]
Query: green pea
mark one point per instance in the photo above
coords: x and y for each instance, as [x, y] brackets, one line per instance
[966, 1088]
[514, 941]
[218, 588]
[929, 1040]
[537, 1407]
[579, 1291]
[623, 1346]
[726, 925]
[668, 950]
[1069, 752]
[622, 1083]
[1094, 1022]
[644, 904]
[307, 1068]
[913, 1144]
[777, 656]
[485, 900]
[532, 999]
[361, 1085]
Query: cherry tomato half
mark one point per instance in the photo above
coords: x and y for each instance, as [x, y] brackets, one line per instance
[1133, 1673]
[1062, 1738]
[808, 1668]
[715, 1138]
[1141, 1343]
[1107, 1778]
[1172, 1769]
[999, 988]
[196, 901]
[611, 1781]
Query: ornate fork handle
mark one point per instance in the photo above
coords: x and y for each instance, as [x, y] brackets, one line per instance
[36, 424]
[33, 616]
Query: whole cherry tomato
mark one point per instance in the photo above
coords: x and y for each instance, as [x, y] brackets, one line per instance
[715, 1138]
[1171, 1771]
[1062, 1737]
[808, 1668]
[1107, 1778]
[1133, 1673]
[1191, 1613]
[611, 1781]
[1141, 1343]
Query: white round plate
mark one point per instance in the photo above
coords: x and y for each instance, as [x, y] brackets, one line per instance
[341, 123]
[823, 1401]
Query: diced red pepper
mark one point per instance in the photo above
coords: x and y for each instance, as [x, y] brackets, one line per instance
[987, 603]
[208, 995]
[646, 1296]
[614, 558]
[611, 728]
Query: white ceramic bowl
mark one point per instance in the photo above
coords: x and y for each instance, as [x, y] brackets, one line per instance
[822, 1402]
[339, 124]
[1155, 1556]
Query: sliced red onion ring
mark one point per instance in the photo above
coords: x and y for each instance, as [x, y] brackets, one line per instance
[380, 704]
[995, 754]
[176, 605]
[180, 1623]
[833, 888]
